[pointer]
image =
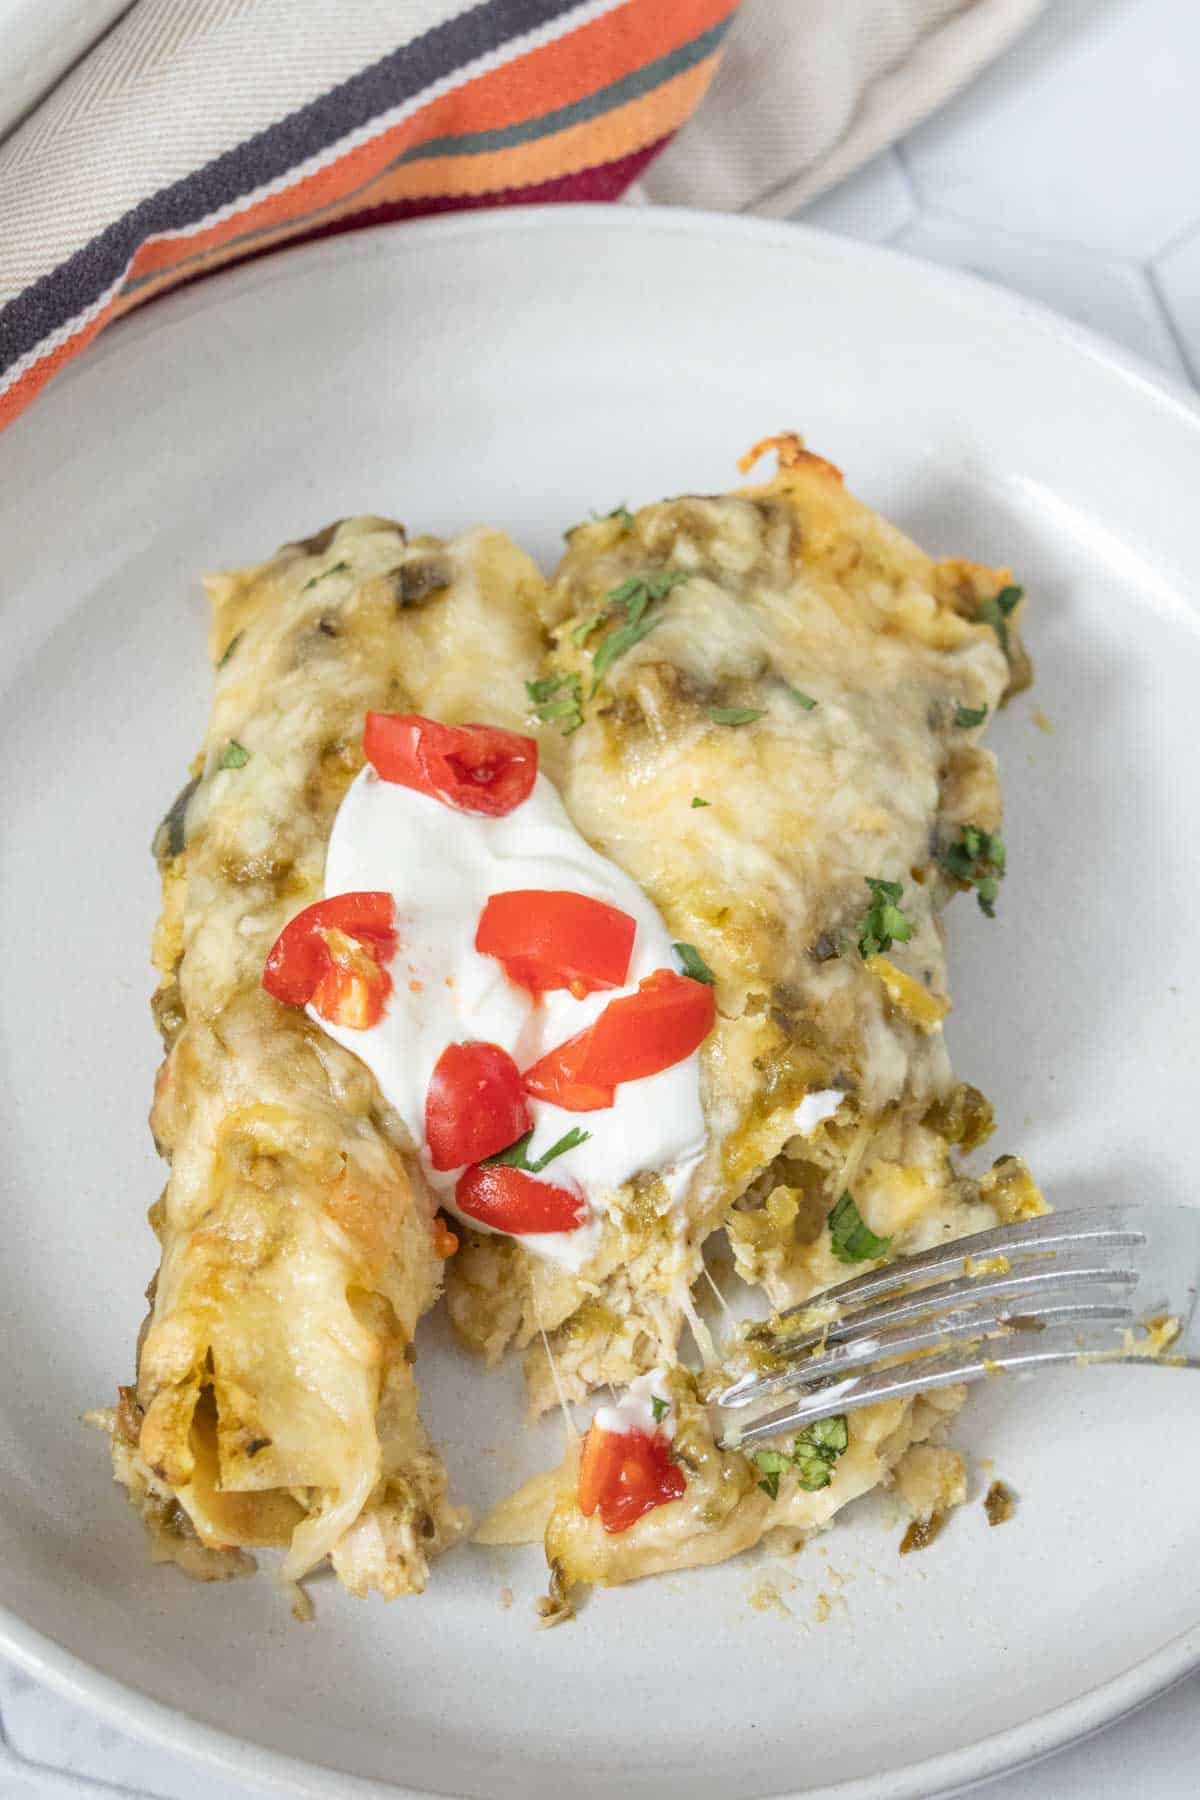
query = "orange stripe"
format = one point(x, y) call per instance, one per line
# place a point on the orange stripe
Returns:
point(564, 153)
point(552, 75)
point(583, 62)
point(16, 398)
point(587, 59)
point(578, 147)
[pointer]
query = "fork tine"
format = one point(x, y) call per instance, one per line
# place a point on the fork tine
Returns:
point(1067, 1344)
point(1103, 1227)
point(965, 1323)
point(1033, 1279)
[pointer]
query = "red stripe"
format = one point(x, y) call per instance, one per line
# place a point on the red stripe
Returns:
point(606, 181)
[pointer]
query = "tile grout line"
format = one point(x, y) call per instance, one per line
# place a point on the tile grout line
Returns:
point(1155, 287)
point(69, 1779)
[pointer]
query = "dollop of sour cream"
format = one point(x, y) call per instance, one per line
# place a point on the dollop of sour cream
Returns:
point(441, 865)
point(636, 1409)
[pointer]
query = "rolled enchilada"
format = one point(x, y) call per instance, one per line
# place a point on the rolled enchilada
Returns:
point(275, 1402)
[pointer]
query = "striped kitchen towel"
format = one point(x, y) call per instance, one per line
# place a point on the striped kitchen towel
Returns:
point(200, 131)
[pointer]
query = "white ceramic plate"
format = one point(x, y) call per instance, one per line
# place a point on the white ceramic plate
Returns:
point(522, 368)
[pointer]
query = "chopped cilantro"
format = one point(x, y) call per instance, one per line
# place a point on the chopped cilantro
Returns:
point(233, 756)
point(579, 634)
point(966, 716)
point(230, 647)
point(977, 859)
point(615, 645)
point(621, 512)
point(816, 1450)
point(693, 964)
point(813, 1454)
point(802, 699)
point(772, 1463)
point(659, 1407)
point(697, 801)
point(851, 1238)
point(883, 922)
point(557, 700)
point(515, 1158)
point(995, 612)
point(735, 715)
point(339, 568)
point(633, 596)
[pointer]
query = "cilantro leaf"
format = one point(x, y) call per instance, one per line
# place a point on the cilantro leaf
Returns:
point(339, 568)
point(813, 1454)
point(830, 1435)
point(633, 596)
point(802, 699)
point(735, 715)
point(883, 923)
point(817, 1449)
point(977, 858)
point(693, 964)
point(515, 1158)
point(697, 801)
point(622, 513)
point(995, 612)
point(659, 1407)
point(850, 1237)
point(616, 644)
point(772, 1463)
point(814, 1470)
point(659, 586)
point(966, 716)
point(579, 634)
point(557, 700)
point(233, 756)
point(230, 647)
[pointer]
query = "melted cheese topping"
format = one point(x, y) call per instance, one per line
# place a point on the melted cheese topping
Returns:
point(441, 866)
point(275, 1400)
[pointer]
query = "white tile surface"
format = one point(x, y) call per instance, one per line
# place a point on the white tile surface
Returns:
point(874, 204)
point(1109, 294)
point(1177, 278)
point(1082, 134)
point(1070, 172)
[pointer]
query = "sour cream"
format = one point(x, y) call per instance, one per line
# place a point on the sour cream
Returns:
point(441, 866)
point(635, 1410)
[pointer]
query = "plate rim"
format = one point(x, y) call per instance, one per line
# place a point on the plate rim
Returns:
point(71, 1676)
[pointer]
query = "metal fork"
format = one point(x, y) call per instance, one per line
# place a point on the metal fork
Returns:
point(1069, 1287)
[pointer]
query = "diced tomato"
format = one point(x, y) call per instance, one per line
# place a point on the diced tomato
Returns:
point(475, 1105)
point(473, 768)
point(510, 1200)
point(332, 954)
point(638, 1035)
point(353, 988)
point(626, 1474)
point(556, 1078)
point(547, 939)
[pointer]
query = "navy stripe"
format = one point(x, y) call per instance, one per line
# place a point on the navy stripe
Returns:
point(633, 86)
point(51, 303)
point(618, 93)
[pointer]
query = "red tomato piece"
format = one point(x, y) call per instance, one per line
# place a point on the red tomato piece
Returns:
point(626, 1474)
point(555, 1078)
point(638, 1035)
point(353, 989)
point(551, 939)
point(473, 768)
point(510, 1200)
point(301, 957)
point(475, 1105)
